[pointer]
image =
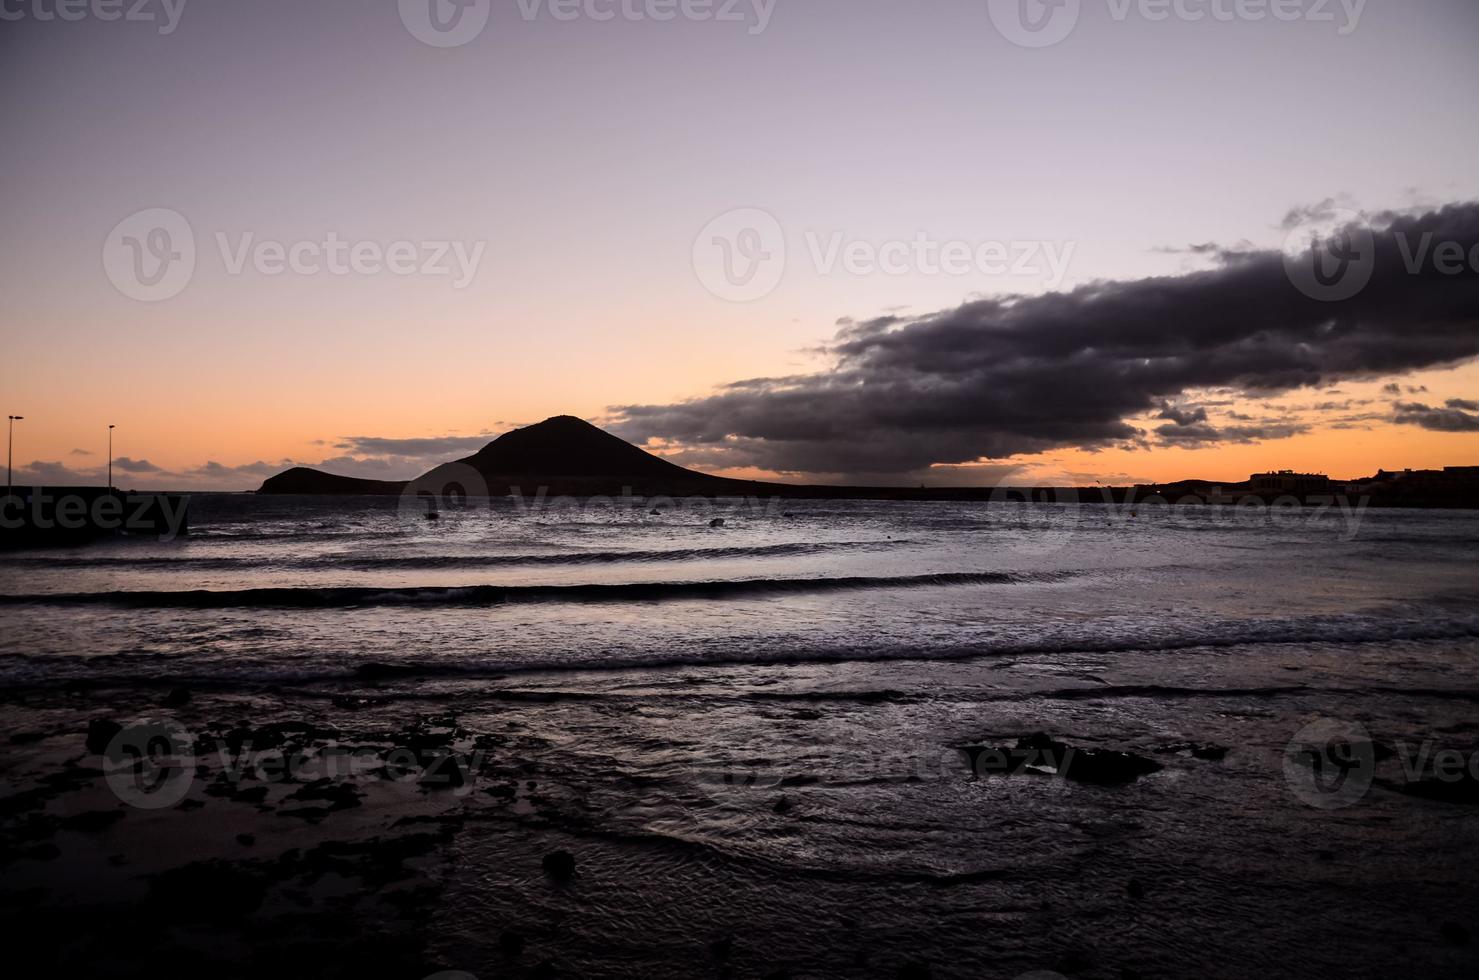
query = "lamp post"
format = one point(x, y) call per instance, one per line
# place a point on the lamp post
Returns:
point(110, 458)
point(9, 452)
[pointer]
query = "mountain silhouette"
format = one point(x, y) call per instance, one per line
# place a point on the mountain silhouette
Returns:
point(564, 455)
point(570, 456)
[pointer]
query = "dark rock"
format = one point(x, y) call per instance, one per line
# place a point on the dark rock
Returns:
point(444, 771)
point(206, 890)
point(93, 821)
point(1136, 889)
point(782, 806)
point(1074, 961)
point(379, 671)
point(1454, 934)
point(46, 851)
point(722, 948)
point(1040, 754)
point(253, 795)
point(1463, 791)
point(717, 522)
point(559, 865)
point(100, 732)
point(177, 698)
point(511, 942)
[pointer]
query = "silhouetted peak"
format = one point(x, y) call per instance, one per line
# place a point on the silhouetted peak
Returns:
point(571, 447)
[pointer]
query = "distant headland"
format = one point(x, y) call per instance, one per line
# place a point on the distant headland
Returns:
point(569, 456)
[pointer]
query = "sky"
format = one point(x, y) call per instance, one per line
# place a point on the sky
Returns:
point(890, 241)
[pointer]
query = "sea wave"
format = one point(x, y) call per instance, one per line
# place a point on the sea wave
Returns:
point(454, 562)
point(486, 595)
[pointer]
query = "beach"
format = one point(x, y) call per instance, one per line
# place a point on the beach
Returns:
point(820, 739)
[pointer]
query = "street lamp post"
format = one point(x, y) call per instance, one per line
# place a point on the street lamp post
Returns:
point(9, 452)
point(110, 458)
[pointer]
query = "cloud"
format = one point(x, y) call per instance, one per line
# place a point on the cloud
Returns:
point(1463, 403)
point(440, 449)
point(43, 473)
point(1003, 377)
point(215, 470)
point(82, 452)
point(1183, 416)
point(1454, 418)
point(129, 465)
point(1204, 434)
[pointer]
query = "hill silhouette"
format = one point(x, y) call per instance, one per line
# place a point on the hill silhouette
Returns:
point(570, 456)
point(564, 454)
point(306, 480)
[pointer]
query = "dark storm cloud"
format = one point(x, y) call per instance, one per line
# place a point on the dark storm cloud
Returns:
point(1020, 375)
point(1463, 403)
point(1183, 416)
point(1451, 419)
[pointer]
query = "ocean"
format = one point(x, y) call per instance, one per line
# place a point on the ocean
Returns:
point(749, 721)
